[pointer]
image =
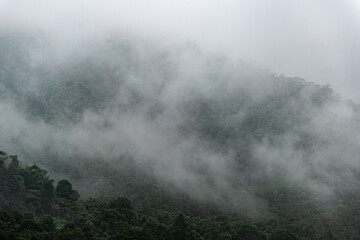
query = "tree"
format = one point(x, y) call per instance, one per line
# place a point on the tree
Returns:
point(46, 223)
point(63, 189)
point(179, 228)
point(14, 162)
point(47, 194)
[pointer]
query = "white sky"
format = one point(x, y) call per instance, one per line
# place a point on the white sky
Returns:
point(318, 40)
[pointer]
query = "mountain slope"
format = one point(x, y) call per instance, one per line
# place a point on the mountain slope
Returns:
point(135, 119)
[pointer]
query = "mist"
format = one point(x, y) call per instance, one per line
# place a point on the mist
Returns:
point(317, 41)
point(174, 87)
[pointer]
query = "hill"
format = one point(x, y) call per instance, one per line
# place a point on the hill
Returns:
point(178, 129)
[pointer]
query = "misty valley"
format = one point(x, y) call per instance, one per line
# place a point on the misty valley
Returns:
point(125, 138)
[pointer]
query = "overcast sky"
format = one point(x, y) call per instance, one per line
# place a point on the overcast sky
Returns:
point(317, 40)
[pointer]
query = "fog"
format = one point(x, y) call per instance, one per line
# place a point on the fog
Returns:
point(315, 40)
point(158, 68)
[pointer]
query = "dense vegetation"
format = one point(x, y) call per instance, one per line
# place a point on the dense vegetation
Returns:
point(33, 208)
point(237, 153)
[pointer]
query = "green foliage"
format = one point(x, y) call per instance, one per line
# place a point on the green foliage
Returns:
point(47, 223)
point(283, 234)
point(248, 232)
point(14, 164)
point(294, 217)
point(69, 232)
point(133, 233)
point(64, 189)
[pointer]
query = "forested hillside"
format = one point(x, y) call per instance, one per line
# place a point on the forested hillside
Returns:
point(170, 143)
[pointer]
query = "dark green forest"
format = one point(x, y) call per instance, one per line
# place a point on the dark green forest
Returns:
point(33, 207)
point(170, 144)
